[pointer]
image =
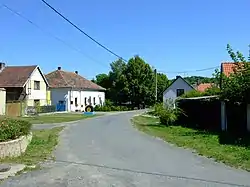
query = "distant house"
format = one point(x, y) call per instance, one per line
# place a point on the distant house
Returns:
point(227, 68)
point(72, 92)
point(24, 83)
point(203, 87)
point(178, 87)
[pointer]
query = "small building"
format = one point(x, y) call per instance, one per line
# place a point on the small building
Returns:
point(72, 92)
point(177, 88)
point(24, 83)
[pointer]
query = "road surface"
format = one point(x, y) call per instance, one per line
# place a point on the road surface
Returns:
point(108, 152)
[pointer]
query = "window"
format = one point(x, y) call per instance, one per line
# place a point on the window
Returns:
point(94, 100)
point(179, 92)
point(36, 85)
point(71, 102)
point(76, 102)
point(85, 101)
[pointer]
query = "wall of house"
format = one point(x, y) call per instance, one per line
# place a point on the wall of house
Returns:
point(69, 97)
point(40, 94)
point(2, 101)
point(81, 96)
point(171, 92)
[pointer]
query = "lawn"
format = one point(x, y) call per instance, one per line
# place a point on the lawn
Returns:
point(40, 148)
point(56, 118)
point(202, 142)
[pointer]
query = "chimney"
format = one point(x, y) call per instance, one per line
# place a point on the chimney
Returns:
point(178, 76)
point(76, 72)
point(59, 68)
point(2, 66)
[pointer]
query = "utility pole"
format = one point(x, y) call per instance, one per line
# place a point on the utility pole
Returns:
point(155, 86)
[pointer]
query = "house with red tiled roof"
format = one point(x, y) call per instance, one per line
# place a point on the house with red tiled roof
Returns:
point(227, 68)
point(72, 91)
point(203, 87)
point(24, 83)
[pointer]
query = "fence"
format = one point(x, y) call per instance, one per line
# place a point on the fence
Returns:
point(15, 108)
point(201, 113)
point(33, 110)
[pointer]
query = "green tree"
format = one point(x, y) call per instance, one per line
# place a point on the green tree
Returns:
point(236, 87)
point(140, 79)
point(119, 85)
point(162, 84)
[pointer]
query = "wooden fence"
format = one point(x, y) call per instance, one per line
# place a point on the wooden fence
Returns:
point(15, 108)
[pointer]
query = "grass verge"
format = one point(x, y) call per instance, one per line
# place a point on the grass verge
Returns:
point(202, 142)
point(57, 118)
point(40, 148)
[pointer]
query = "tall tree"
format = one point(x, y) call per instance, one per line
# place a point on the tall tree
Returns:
point(119, 88)
point(162, 84)
point(140, 79)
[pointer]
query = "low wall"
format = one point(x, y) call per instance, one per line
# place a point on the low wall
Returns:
point(14, 148)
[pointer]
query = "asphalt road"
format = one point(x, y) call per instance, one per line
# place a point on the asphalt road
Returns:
point(108, 152)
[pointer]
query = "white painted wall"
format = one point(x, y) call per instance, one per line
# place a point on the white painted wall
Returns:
point(36, 94)
point(171, 92)
point(2, 101)
point(68, 95)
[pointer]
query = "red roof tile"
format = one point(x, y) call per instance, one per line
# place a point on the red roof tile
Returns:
point(227, 68)
point(15, 76)
point(202, 87)
point(63, 79)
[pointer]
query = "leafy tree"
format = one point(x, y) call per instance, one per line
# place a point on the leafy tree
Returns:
point(162, 84)
point(236, 87)
point(104, 81)
point(119, 85)
point(140, 79)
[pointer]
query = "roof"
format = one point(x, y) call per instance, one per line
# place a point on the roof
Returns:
point(15, 76)
point(64, 79)
point(200, 98)
point(178, 77)
point(227, 68)
point(203, 86)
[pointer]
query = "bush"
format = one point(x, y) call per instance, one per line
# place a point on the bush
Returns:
point(11, 129)
point(167, 112)
point(108, 108)
point(208, 92)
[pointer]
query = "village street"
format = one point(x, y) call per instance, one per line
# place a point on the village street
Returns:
point(109, 151)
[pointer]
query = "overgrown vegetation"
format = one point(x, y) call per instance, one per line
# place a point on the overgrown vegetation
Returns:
point(168, 113)
point(109, 106)
point(236, 87)
point(40, 148)
point(205, 143)
point(208, 92)
point(11, 129)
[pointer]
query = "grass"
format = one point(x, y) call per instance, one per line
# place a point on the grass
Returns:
point(40, 148)
point(202, 142)
point(56, 118)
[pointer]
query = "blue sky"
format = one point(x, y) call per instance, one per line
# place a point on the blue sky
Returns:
point(173, 36)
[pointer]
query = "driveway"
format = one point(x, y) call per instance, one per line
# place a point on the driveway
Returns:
point(108, 152)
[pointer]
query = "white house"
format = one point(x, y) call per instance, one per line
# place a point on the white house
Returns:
point(72, 91)
point(178, 87)
point(24, 83)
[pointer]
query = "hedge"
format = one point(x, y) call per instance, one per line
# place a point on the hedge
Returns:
point(11, 129)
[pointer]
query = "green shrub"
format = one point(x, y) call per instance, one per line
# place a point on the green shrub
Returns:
point(168, 113)
point(108, 108)
point(11, 129)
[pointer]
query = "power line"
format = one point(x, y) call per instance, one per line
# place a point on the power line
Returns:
point(79, 29)
point(50, 34)
point(189, 71)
